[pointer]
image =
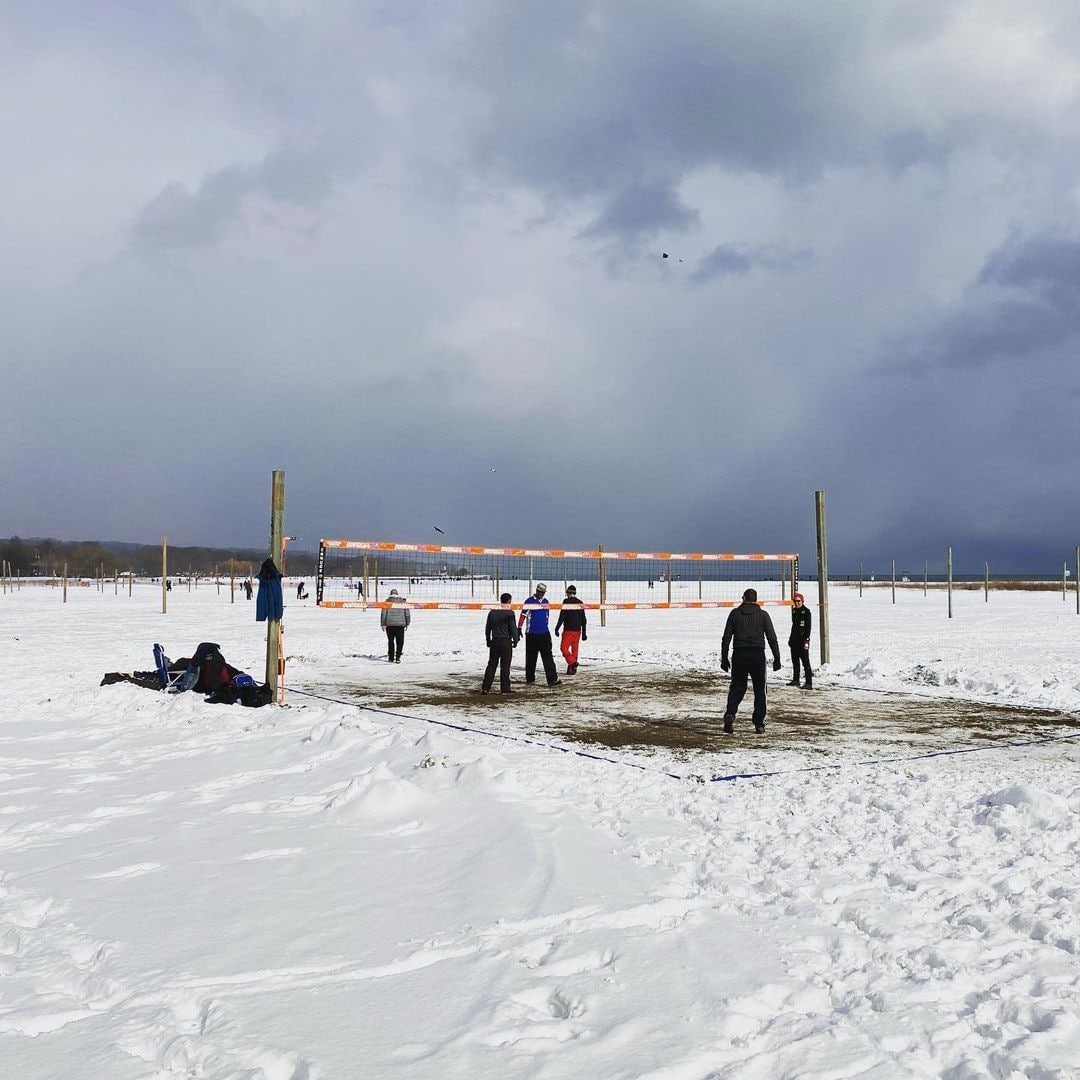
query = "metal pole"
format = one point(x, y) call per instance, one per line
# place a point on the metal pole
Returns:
point(986, 582)
point(894, 581)
point(860, 578)
point(603, 585)
point(1064, 576)
point(277, 518)
point(1078, 581)
point(669, 576)
point(925, 574)
point(823, 576)
point(948, 573)
point(164, 571)
point(65, 583)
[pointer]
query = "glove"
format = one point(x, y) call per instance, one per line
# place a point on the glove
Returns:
point(776, 665)
point(725, 664)
point(584, 637)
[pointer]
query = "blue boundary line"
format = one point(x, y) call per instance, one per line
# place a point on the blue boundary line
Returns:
point(489, 734)
point(1013, 743)
point(894, 760)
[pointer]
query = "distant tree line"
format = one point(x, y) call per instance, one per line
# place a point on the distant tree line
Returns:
point(88, 558)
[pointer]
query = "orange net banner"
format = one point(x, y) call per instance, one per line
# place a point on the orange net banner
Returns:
point(448, 577)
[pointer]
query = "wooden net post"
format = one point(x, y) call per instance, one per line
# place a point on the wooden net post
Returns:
point(277, 518)
point(603, 586)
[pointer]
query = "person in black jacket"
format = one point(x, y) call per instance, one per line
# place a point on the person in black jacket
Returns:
point(748, 626)
point(501, 635)
point(799, 642)
point(572, 624)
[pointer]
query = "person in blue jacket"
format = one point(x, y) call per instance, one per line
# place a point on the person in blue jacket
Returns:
point(534, 618)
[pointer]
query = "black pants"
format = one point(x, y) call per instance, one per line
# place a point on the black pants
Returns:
point(395, 639)
point(500, 653)
point(540, 645)
point(801, 655)
point(747, 663)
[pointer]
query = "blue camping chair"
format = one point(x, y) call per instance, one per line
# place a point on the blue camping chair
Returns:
point(172, 681)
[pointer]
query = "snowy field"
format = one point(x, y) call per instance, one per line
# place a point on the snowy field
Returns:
point(354, 888)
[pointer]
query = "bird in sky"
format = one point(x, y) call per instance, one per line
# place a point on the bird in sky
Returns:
point(438, 530)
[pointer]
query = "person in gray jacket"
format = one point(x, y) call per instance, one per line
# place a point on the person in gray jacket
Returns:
point(748, 626)
point(394, 620)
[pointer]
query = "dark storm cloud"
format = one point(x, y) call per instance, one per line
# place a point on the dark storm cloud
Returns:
point(179, 217)
point(728, 260)
point(1024, 304)
point(642, 210)
point(632, 89)
point(423, 204)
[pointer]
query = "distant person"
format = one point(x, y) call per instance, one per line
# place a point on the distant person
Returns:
point(799, 642)
point(534, 618)
point(571, 622)
point(502, 636)
point(248, 588)
point(168, 586)
point(395, 620)
point(301, 592)
point(359, 590)
point(748, 626)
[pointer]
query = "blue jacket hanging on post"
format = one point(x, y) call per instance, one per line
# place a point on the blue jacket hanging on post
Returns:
point(269, 604)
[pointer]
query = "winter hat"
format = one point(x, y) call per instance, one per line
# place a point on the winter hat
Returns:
point(799, 597)
point(571, 588)
point(541, 588)
point(751, 595)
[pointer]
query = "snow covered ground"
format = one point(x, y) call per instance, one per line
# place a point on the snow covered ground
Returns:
point(329, 891)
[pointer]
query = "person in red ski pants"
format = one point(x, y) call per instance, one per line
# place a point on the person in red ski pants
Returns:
point(572, 624)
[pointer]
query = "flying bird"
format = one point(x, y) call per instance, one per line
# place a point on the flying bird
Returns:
point(438, 530)
point(493, 469)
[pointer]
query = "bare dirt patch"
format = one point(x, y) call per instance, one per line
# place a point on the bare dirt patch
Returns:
point(678, 713)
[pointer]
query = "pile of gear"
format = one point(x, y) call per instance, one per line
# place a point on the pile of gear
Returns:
point(205, 672)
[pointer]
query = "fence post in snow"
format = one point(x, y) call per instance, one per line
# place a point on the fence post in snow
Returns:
point(823, 575)
point(925, 574)
point(860, 578)
point(164, 571)
point(948, 574)
point(1078, 581)
point(894, 581)
point(986, 582)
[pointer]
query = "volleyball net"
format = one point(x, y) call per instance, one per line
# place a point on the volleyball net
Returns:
point(361, 573)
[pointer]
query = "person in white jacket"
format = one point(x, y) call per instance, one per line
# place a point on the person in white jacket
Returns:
point(395, 620)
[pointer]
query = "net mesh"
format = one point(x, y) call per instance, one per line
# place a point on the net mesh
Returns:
point(359, 573)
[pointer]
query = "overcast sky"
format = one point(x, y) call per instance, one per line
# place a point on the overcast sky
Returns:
point(392, 247)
